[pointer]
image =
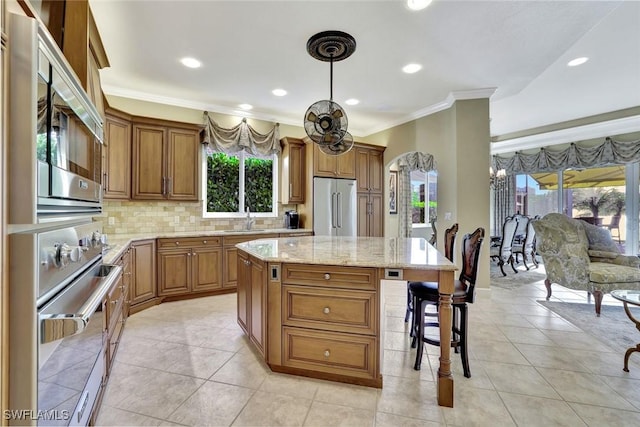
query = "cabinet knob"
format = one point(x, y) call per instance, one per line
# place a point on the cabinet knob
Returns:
point(327, 276)
point(327, 353)
point(326, 310)
point(204, 242)
point(177, 243)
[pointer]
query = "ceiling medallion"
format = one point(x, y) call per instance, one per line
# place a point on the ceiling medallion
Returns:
point(325, 121)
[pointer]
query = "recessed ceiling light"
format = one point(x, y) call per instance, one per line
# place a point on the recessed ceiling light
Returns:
point(191, 62)
point(418, 4)
point(279, 92)
point(412, 68)
point(577, 61)
point(245, 106)
point(352, 101)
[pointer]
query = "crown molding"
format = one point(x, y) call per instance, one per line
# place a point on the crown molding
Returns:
point(563, 136)
point(177, 102)
point(458, 95)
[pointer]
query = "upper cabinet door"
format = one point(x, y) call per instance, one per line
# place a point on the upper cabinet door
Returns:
point(293, 171)
point(149, 179)
point(116, 180)
point(183, 165)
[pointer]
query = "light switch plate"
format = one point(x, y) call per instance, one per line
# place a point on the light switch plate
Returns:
point(447, 216)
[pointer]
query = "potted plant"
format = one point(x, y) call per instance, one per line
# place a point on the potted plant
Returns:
point(593, 200)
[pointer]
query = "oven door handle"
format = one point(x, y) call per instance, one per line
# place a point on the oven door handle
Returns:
point(57, 325)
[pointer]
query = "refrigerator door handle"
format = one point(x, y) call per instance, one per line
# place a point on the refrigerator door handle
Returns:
point(333, 210)
point(339, 209)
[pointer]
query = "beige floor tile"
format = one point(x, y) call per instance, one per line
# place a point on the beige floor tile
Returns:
point(519, 379)
point(580, 387)
point(526, 335)
point(347, 395)
point(111, 417)
point(325, 414)
point(269, 409)
point(391, 420)
point(410, 398)
point(477, 407)
point(497, 351)
point(576, 341)
point(212, 404)
point(552, 357)
point(552, 323)
point(626, 387)
point(158, 396)
point(597, 416)
point(238, 371)
point(479, 378)
point(401, 363)
point(538, 411)
point(290, 385)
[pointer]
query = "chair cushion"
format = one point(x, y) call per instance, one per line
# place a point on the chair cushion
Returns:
point(603, 254)
point(600, 239)
point(602, 272)
point(429, 290)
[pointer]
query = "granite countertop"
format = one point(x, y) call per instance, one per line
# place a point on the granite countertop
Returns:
point(380, 252)
point(118, 242)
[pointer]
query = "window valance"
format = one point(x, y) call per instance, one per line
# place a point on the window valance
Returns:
point(239, 138)
point(575, 156)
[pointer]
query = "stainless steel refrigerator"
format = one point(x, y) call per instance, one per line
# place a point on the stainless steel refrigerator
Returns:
point(335, 207)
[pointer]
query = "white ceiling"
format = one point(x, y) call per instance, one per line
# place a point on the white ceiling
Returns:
point(467, 49)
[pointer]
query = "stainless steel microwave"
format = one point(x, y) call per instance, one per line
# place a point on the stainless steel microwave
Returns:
point(55, 132)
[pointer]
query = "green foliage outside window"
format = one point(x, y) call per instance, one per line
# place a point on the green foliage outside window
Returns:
point(223, 184)
point(258, 184)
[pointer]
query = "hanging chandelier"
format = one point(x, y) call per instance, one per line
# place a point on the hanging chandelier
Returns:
point(325, 121)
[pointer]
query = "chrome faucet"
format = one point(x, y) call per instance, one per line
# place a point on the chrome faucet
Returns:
point(250, 221)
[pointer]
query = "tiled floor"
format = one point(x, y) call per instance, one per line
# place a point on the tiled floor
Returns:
point(188, 363)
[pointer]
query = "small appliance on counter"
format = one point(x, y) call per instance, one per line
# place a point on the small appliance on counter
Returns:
point(291, 219)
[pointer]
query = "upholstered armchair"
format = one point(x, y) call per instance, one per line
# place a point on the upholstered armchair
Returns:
point(578, 255)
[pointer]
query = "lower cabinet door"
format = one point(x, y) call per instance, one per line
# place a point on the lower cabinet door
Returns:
point(330, 352)
point(174, 274)
point(207, 272)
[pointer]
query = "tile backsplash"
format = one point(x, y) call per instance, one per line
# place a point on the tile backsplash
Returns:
point(129, 217)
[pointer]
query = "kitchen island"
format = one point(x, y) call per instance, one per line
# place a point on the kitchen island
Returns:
point(312, 306)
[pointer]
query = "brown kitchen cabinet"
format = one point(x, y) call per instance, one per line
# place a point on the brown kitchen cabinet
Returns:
point(116, 178)
point(252, 299)
point(370, 214)
point(342, 166)
point(369, 178)
point(230, 257)
point(143, 275)
point(114, 314)
point(189, 265)
point(293, 171)
point(83, 49)
point(166, 161)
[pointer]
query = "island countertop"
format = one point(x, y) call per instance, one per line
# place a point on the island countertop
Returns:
point(398, 252)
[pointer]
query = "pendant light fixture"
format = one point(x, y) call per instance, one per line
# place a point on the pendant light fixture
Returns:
point(325, 122)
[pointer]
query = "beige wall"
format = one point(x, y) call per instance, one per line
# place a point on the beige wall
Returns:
point(458, 138)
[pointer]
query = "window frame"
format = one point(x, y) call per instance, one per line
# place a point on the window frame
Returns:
point(428, 182)
point(241, 156)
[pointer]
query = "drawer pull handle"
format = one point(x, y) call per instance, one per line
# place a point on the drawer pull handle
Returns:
point(327, 276)
point(327, 354)
point(326, 310)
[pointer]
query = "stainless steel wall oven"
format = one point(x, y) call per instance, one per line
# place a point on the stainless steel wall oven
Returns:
point(55, 132)
point(57, 279)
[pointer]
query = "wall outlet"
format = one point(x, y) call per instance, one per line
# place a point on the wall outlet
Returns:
point(112, 220)
point(447, 216)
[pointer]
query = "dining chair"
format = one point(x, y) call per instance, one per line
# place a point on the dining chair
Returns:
point(527, 248)
point(614, 225)
point(449, 243)
point(504, 252)
point(463, 294)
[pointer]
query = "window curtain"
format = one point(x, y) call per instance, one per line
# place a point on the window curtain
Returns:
point(239, 138)
point(575, 156)
point(407, 163)
point(503, 202)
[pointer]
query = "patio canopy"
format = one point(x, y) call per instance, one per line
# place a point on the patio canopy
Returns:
point(610, 176)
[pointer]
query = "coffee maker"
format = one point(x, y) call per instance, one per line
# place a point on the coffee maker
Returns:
point(291, 219)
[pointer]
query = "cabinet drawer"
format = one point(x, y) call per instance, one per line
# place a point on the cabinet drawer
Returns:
point(114, 335)
point(330, 276)
point(234, 240)
point(334, 353)
point(190, 242)
point(330, 309)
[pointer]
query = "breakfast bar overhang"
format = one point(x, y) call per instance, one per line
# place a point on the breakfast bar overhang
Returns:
point(312, 305)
